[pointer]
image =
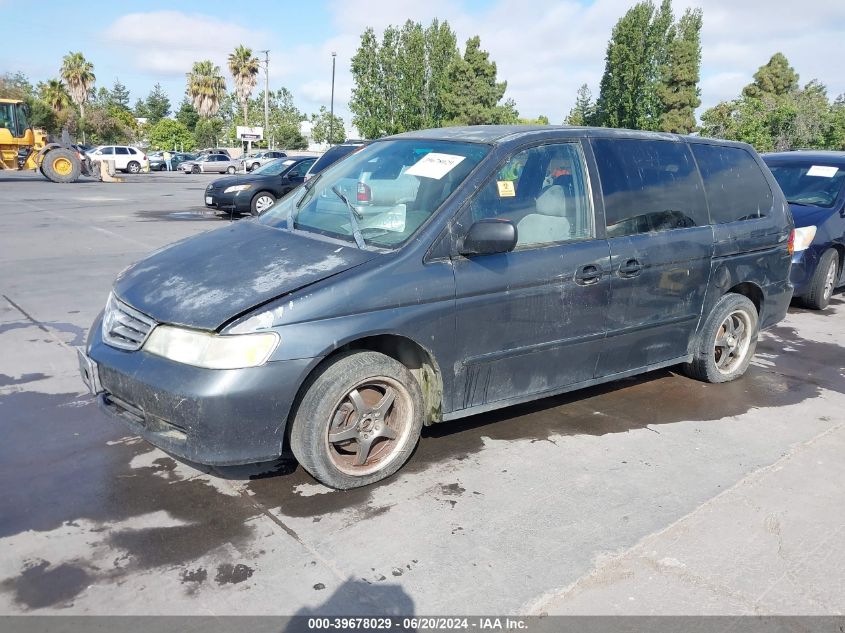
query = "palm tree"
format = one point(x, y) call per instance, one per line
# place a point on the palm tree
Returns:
point(244, 68)
point(206, 87)
point(55, 94)
point(78, 75)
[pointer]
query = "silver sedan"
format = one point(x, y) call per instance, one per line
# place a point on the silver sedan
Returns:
point(212, 163)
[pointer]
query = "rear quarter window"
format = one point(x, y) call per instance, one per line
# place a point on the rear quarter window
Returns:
point(648, 186)
point(734, 184)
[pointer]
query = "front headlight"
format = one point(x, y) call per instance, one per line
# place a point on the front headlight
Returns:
point(804, 237)
point(211, 351)
point(236, 188)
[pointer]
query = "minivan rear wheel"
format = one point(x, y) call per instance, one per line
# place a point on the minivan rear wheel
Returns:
point(824, 281)
point(358, 421)
point(726, 342)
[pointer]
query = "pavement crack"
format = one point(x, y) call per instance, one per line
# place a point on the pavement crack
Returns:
point(40, 325)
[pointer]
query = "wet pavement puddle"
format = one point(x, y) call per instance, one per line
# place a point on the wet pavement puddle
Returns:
point(67, 467)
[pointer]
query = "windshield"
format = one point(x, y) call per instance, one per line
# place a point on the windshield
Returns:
point(391, 187)
point(809, 184)
point(274, 167)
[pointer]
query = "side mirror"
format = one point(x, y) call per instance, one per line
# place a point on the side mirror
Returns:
point(487, 237)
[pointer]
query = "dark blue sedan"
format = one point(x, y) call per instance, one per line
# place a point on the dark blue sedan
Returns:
point(814, 185)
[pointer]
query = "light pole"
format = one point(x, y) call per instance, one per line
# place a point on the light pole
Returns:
point(331, 111)
point(266, 93)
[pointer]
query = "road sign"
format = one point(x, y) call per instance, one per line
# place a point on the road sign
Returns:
point(250, 133)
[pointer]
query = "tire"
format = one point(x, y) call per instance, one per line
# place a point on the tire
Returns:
point(61, 165)
point(824, 281)
point(195, 169)
point(722, 362)
point(261, 201)
point(255, 166)
point(134, 167)
point(230, 170)
point(380, 423)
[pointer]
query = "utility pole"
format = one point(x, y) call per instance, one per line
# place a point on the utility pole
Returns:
point(331, 111)
point(266, 93)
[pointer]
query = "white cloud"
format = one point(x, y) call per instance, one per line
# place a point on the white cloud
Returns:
point(168, 42)
point(545, 50)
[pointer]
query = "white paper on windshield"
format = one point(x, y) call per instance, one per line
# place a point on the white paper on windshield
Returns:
point(434, 165)
point(823, 171)
point(288, 162)
point(391, 220)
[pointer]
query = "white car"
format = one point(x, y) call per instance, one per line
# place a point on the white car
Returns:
point(130, 159)
point(257, 159)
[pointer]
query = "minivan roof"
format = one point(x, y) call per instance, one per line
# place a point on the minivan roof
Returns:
point(500, 134)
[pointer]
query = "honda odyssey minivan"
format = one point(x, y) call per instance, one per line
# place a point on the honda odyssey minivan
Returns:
point(438, 274)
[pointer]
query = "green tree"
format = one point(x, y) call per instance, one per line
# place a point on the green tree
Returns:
point(157, 105)
point(119, 95)
point(140, 109)
point(441, 48)
point(401, 81)
point(636, 53)
point(244, 67)
point(172, 135)
point(775, 113)
point(775, 78)
point(584, 110)
point(474, 96)
point(208, 132)
point(78, 75)
point(15, 86)
point(54, 94)
point(187, 114)
point(206, 88)
point(322, 126)
point(834, 134)
point(678, 91)
point(366, 103)
point(411, 78)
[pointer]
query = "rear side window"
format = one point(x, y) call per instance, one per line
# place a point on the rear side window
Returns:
point(648, 186)
point(122, 150)
point(735, 186)
point(132, 150)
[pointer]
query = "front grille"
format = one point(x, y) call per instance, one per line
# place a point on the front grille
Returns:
point(125, 327)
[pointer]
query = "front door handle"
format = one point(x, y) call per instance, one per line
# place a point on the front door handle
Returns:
point(631, 268)
point(588, 275)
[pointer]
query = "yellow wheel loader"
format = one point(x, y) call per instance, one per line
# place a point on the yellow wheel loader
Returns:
point(22, 147)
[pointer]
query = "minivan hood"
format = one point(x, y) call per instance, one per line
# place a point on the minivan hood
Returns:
point(206, 280)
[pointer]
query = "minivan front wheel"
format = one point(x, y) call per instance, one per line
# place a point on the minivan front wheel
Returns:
point(358, 421)
point(727, 341)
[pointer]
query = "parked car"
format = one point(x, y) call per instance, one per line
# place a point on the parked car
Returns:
point(814, 185)
point(257, 159)
point(332, 155)
point(257, 191)
point(478, 267)
point(157, 162)
point(129, 159)
point(210, 164)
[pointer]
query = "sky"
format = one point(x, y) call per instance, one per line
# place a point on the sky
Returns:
point(544, 50)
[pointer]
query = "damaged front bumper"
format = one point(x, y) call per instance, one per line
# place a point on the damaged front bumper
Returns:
point(207, 416)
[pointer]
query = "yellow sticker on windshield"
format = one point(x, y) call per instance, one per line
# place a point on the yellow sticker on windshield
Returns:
point(506, 188)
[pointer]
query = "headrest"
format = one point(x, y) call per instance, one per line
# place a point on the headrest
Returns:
point(552, 202)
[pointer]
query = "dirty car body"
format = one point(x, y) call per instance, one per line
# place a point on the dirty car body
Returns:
point(381, 257)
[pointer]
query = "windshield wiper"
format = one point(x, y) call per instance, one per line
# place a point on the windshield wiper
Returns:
point(800, 204)
point(354, 214)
